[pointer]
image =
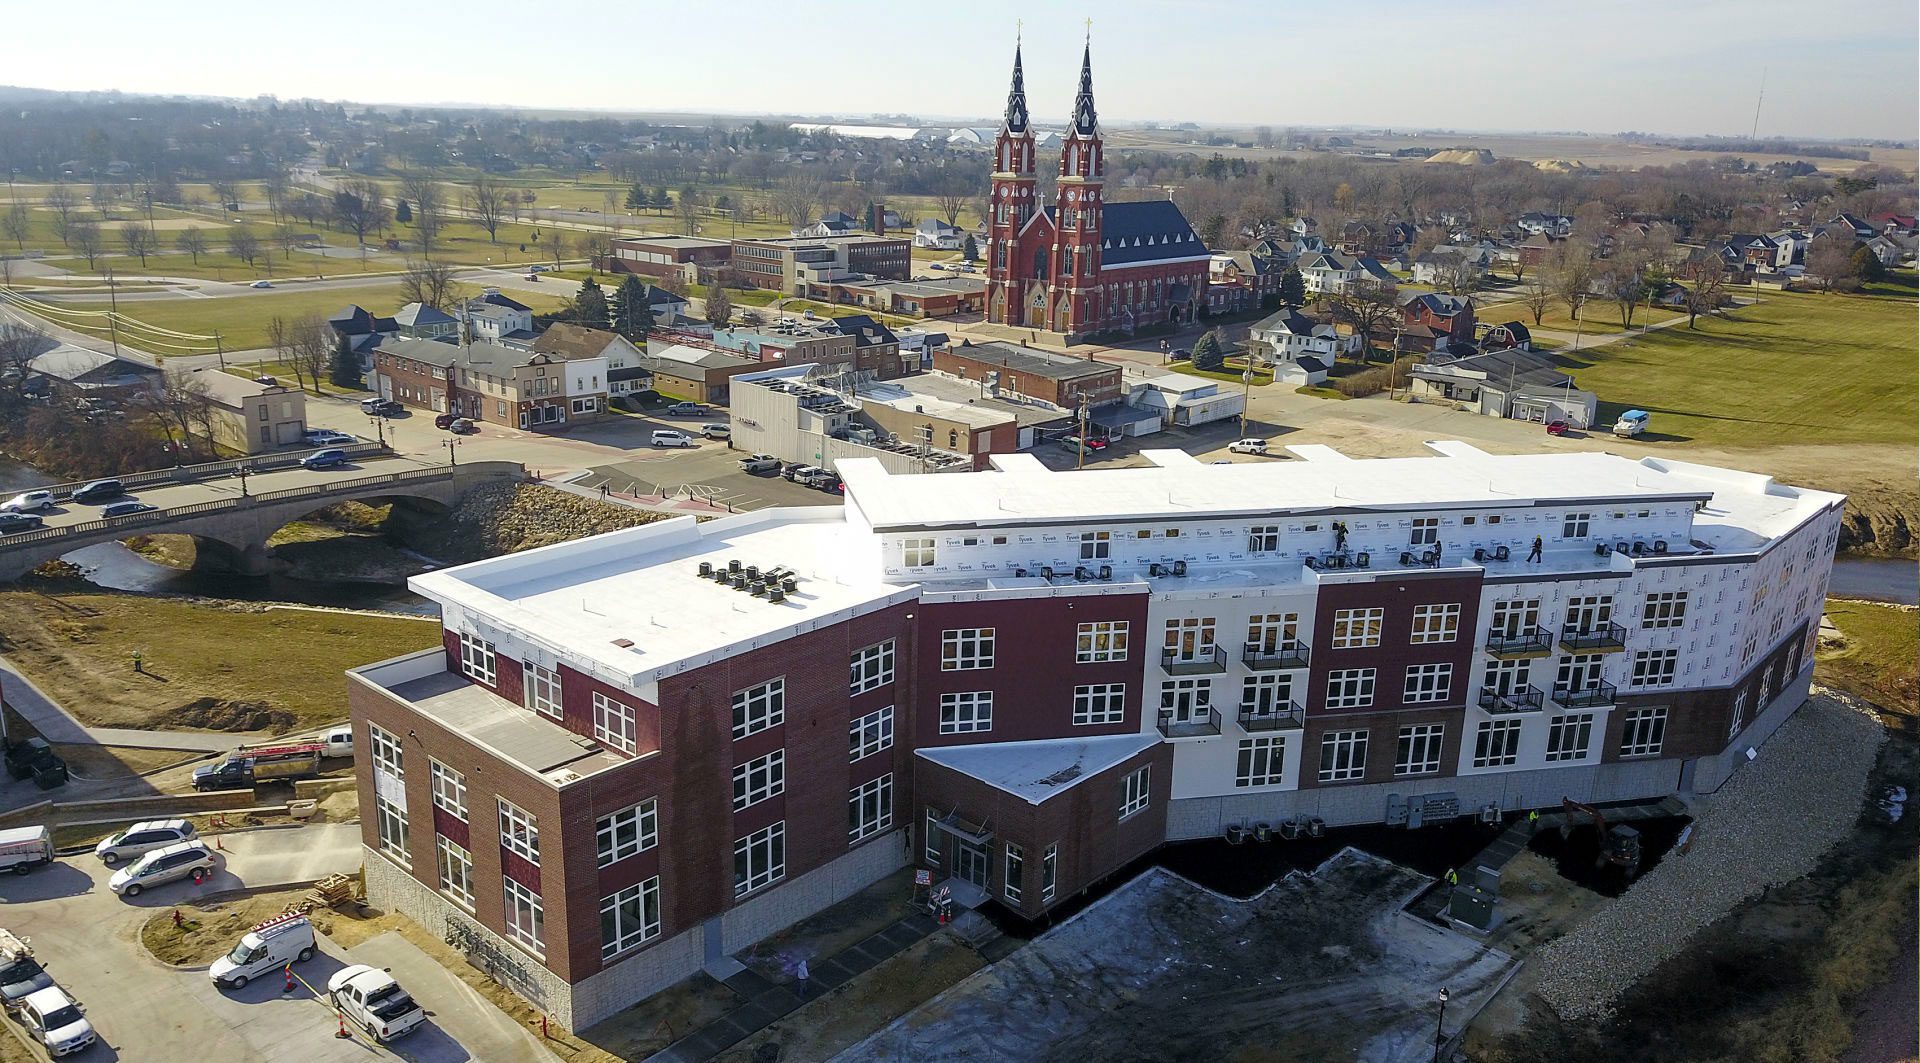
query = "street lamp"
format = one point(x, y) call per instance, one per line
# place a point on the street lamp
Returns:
point(450, 444)
point(1439, 1035)
point(379, 430)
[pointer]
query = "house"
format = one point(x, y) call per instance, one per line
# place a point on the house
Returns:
point(1304, 226)
point(1327, 272)
point(836, 224)
point(361, 331)
point(1556, 226)
point(1897, 224)
point(1447, 266)
point(699, 374)
point(493, 383)
point(1239, 281)
point(1513, 383)
point(626, 363)
point(249, 417)
point(1299, 348)
point(76, 372)
point(876, 349)
point(936, 235)
point(1535, 250)
point(1449, 316)
point(501, 319)
point(1509, 335)
point(418, 321)
point(1862, 229)
point(1756, 253)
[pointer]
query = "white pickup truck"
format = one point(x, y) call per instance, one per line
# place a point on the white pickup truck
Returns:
point(372, 999)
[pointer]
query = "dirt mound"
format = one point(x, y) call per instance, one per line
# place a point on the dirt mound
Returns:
point(1881, 522)
point(503, 517)
point(1559, 165)
point(1463, 157)
point(219, 714)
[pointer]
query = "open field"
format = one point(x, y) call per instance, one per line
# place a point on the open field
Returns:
point(1875, 657)
point(203, 662)
point(1597, 318)
point(1800, 367)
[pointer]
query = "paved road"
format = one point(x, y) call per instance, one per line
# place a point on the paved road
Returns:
point(463, 1018)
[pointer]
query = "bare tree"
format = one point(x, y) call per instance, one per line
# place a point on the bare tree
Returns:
point(277, 186)
point(226, 193)
point(244, 243)
point(952, 199)
point(1706, 280)
point(609, 202)
point(354, 205)
point(310, 345)
point(183, 411)
point(192, 241)
point(17, 222)
point(84, 236)
point(1538, 298)
point(428, 282)
point(1366, 305)
point(286, 239)
point(19, 344)
point(1571, 275)
point(280, 341)
point(554, 243)
point(689, 216)
point(1456, 275)
point(719, 306)
point(595, 247)
point(1830, 258)
point(61, 200)
point(490, 201)
point(796, 197)
point(420, 189)
point(140, 240)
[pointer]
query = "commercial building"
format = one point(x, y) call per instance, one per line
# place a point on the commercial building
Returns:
point(810, 266)
point(250, 417)
point(626, 761)
point(691, 257)
point(1026, 372)
point(488, 382)
point(819, 415)
point(695, 373)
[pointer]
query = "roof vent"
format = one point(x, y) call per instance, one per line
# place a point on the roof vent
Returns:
point(733, 566)
point(706, 570)
point(625, 644)
point(789, 584)
point(758, 588)
point(1179, 568)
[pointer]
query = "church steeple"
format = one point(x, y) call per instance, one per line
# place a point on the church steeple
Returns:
point(1016, 117)
point(1085, 122)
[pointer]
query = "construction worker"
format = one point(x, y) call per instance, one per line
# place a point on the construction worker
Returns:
point(136, 661)
point(1453, 878)
point(1533, 820)
point(1535, 556)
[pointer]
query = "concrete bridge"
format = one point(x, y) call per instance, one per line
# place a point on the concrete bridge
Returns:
point(219, 505)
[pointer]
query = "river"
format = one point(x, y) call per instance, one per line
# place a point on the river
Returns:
point(1880, 579)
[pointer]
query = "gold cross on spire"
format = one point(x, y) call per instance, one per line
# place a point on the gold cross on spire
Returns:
point(1018, 25)
point(1089, 28)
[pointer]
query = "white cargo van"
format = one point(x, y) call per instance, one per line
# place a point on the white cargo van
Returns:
point(24, 848)
point(266, 949)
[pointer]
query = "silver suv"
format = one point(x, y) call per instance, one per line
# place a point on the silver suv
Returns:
point(161, 866)
point(143, 838)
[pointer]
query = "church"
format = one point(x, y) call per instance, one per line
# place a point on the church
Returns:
point(1081, 264)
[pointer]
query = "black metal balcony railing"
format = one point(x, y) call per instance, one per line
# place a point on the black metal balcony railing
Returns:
point(1598, 694)
point(1534, 643)
point(1599, 637)
point(1190, 726)
point(1273, 658)
point(1526, 699)
point(1205, 660)
point(1287, 716)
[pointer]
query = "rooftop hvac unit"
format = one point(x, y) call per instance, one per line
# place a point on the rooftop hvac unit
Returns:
point(706, 570)
point(789, 584)
point(1179, 568)
point(1156, 569)
point(1046, 571)
point(1080, 572)
point(775, 594)
point(1106, 572)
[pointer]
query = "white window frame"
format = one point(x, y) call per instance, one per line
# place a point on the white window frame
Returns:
point(1101, 641)
point(1096, 545)
point(541, 690)
point(1260, 761)
point(870, 734)
point(1014, 869)
point(1514, 617)
point(1569, 737)
point(645, 896)
point(1350, 688)
point(1200, 630)
point(759, 707)
point(613, 722)
point(1576, 526)
point(1263, 693)
point(929, 845)
point(966, 649)
point(917, 552)
point(872, 667)
point(1644, 731)
point(1343, 756)
point(390, 824)
point(388, 756)
point(1355, 629)
point(1095, 704)
point(1580, 671)
point(1050, 872)
point(766, 847)
point(519, 831)
point(477, 660)
point(1263, 538)
point(1135, 790)
point(1426, 532)
point(869, 808)
point(456, 870)
point(759, 779)
point(449, 789)
point(1738, 721)
point(1271, 632)
point(966, 712)
point(1496, 744)
point(1664, 609)
point(524, 916)
point(1417, 749)
point(1427, 684)
point(1655, 668)
point(1438, 622)
point(628, 832)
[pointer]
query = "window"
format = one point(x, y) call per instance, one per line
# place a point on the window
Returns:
point(1664, 609)
point(1580, 671)
point(918, 553)
point(1271, 632)
point(1576, 526)
point(870, 734)
point(1350, 688)
point(1190, 638)
point(613, 722)
point(1095, 545)
point(1418, 751)
point(1426, 531)
point(1343, 755)
point(966, 712)
point(1016, 872)
point(1133, 791)
point(1655, 667)
point(391, 821)
point(386, 752)
point(476, 659)
point(456, 871)
point(621, 834)
point(759, 858)
point(1645, 731)
point(1515, 617)
point(519, 831)
point(872, 668)
point(1568, 736)
point(1102, 640)
point(932, 840)
point(1427, 683)
point(1436, 623)
point(629, 918)
point(1590, 613)
point(1356, 628)
point(1739, 719)
point(1187, 699)
point(967, 648)
point(1263, 538)
point(1099, 703)
point(1496, 744)
point(449, 790)
point(870, 808)
point(541, 687)
point(1507, 677)
point(1049, 871)
point(526, 919)
point(757, 708)
point(1262, 693)
point(759, 779)
point(587, 405)
point(1262, 760)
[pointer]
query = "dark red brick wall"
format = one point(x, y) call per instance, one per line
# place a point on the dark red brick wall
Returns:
point(1397, 594)
point(1383, 740)
point(1064, 393)
point(1697, 720)
point(418, 379)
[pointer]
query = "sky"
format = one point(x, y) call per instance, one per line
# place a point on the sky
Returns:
point(1840, 68)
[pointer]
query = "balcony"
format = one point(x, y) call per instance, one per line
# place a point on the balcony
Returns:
point(1535, 643)
point(1204, 727)
point(1599, 694)
point(1526, 699)
point(1602, 638)
point(1207, 660)
point(1275, 658)
point(1287, 717)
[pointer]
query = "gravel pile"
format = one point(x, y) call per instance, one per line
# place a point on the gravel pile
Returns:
point(504, 517)
point(1769, 824)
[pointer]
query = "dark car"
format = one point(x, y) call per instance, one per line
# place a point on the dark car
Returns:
point(463, 426)
point(443, 421)
point(324, 459)
point(127, 509)
point(19, 522)
point(1179, 354)
point(99, 490)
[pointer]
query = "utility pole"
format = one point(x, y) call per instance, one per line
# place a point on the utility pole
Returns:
point(219, 349)
point(1080, 452)
point(1246, 385)
point(1755, 135)
point(113, 313)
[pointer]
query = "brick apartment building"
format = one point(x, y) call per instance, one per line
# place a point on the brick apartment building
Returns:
point(619, 768)
point(485, 381)
point(812, 266)
point(1032, 373)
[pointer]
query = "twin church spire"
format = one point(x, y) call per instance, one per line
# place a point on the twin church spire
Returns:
point(1086, 121)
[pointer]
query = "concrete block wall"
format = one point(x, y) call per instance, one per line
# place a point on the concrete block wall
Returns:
point(751, 920)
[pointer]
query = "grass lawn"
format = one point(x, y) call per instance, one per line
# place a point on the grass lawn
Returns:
point(1598, 319)
point(77, 646)
point(1806, 368)
point(1877, 661)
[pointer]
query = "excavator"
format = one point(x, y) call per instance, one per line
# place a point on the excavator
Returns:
point(1619, 846)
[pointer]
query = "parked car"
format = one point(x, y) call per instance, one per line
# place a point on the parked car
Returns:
point(444, 420)
point(373, 1000)
point(19, 522)
point(142, 838)
point(463, 426)
point(20, 973)
point(127, 508)
point(1092, 442)
point(539, 269)
point(52, 1018)
point(1556, 428)
point(24, 848)
point(99, 491)
point(186, 860)
point(717, 431)
point(28, 501)
point(381, 407)
point(685, 409)
point(266, 949)
point(1248, 446)
point(326, 437)
point(667, 437)
point(823, 480)
point(1180, 354)
point(797, 472)
point(758, 463)
point(261, 284)
point(337, 742)
point(1631, 423)
point(324, 459)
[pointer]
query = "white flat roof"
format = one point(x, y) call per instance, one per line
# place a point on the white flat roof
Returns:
point(1035, 771)
point(641, 586)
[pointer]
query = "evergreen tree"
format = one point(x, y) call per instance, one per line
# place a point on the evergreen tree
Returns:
point(1867, 265)
point(637, 198)
point(662, 202)
point(631, 314)
point(971, 249)
point(402, 213)
point(1293, 288)
point(1207, 353)
point(345, 368)
point(589, 305)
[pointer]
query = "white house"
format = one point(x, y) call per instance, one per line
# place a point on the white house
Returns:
point(937, 235)
point(1299, 348)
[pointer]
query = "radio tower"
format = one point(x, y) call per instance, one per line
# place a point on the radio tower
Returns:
point(1755, 135)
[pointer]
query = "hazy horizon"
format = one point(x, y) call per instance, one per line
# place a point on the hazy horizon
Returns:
point(1632, 65)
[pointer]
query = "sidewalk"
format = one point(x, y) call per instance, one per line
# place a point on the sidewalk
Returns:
point(56, 725)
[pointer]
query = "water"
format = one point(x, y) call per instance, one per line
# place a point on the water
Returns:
point(113, 566)
point(1876, 579)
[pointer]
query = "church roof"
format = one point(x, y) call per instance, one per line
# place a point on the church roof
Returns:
point(1085, 122)
point(1149, 231)
point(1016, 116)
